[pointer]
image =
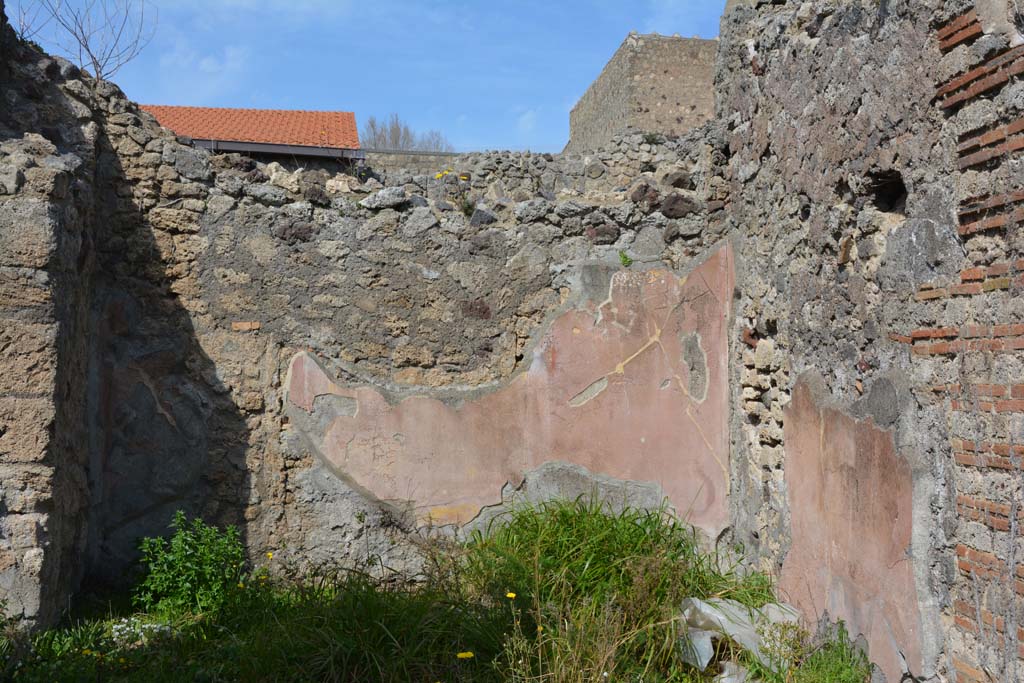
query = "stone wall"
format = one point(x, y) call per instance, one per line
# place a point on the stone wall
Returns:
point(798, 322)
point(866, 273)
point(428, 163)
point(840, 187)
point(628, 152)
point(202, 276)
point(965, 339)
point(653, 83)
point(603, 387)
point(46, 256)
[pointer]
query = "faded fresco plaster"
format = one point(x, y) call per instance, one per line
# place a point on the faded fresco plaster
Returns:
point(633, 388)
point(851, 499)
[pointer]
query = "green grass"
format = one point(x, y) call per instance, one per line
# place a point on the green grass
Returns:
point(346, 627)
point(625, 574)
point(837, 661)
point(562, 593)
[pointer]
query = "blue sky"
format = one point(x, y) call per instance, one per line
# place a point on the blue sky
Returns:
point(488, 74)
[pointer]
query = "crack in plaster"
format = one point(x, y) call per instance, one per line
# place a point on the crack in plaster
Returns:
point(147, 381)
point(590, 393)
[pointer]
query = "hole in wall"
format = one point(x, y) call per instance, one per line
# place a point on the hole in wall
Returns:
point(843, 191)
point(804, 210)
point(888, 192)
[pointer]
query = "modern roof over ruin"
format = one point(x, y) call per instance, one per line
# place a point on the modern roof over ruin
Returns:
point(290, 129)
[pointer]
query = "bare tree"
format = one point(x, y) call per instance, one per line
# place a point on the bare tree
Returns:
point(434, 141)
point(396, 134)
point(101, 35)
point(29, 19)
point(390, 134)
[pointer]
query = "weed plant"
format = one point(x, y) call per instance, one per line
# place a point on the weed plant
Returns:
point(198, 569)
point(600, 593)
point(561, 593)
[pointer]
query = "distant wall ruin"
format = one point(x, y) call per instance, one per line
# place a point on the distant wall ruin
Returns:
point(653, 83)
point(413, 162)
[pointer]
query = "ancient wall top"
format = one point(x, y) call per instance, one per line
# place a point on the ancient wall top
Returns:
point(653, 83)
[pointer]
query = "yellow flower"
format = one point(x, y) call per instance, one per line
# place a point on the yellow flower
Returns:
point(241, 585)
point(539, 628)
point(510, 595)
point(270, 556)
point(86, 651)
point(465, 655)
point(439, 176)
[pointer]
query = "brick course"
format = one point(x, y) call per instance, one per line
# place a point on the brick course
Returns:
point(980, 404)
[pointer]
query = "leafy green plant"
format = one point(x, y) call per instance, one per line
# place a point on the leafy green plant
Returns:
point(625, 260)
point(198, 569)
point(794, 657)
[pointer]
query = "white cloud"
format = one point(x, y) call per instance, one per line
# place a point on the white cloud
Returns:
point(191, 76)
point(527, 121)
point(266, 6)
point(233, 60)
point(209, 14)
point(181, 52)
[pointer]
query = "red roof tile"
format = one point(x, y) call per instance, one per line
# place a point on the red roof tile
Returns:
point(335, 129)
